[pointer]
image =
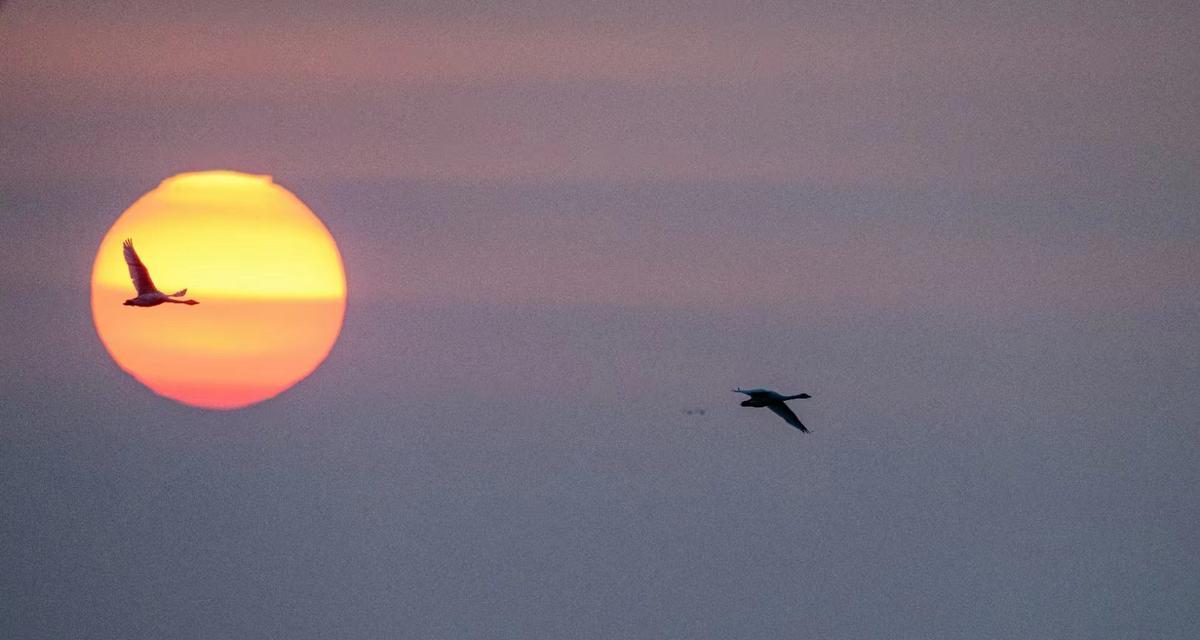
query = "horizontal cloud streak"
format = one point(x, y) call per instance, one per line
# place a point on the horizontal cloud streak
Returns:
point(894, 99)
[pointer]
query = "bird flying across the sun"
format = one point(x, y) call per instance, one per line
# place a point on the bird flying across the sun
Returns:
point(775, 402)
point(147, 294)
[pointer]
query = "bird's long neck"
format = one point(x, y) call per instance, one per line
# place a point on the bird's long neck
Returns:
point(181, 301)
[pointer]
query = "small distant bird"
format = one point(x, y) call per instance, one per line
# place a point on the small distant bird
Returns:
point(147, 294)
point(693, 412)
point(775, 402)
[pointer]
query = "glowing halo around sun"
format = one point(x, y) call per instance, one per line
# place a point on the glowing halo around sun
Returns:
point(265, 270)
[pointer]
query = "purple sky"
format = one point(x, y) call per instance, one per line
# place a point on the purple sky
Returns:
point(969, 230)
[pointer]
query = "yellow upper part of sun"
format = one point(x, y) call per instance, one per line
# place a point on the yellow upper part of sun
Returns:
point(225, 233)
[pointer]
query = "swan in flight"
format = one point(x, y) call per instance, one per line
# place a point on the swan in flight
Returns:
point(147, 294)
point(775, 402)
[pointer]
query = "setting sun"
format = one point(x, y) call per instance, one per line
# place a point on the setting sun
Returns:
point(266, 273)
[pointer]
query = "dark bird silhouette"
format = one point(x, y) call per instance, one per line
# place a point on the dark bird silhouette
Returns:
point(776, 403)
point(147, 294)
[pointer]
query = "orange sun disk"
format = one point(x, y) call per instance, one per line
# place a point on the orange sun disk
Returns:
point(267, 274)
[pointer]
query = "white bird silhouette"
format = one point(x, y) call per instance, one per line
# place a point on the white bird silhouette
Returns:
point(147, 294)
point(775, 402)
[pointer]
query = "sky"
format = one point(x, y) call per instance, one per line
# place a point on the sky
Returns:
point(969, 230)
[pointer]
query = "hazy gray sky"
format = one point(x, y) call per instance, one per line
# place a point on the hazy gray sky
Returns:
point(969, 231)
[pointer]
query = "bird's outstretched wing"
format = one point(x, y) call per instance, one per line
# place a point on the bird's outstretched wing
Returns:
point(785, 412)
point(137, 270)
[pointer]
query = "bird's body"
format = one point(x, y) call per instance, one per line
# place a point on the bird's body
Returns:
point(776, 402)
point(155, 298)
point(148, 295)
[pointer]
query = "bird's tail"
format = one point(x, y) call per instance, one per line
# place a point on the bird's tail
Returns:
point(179, 294)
